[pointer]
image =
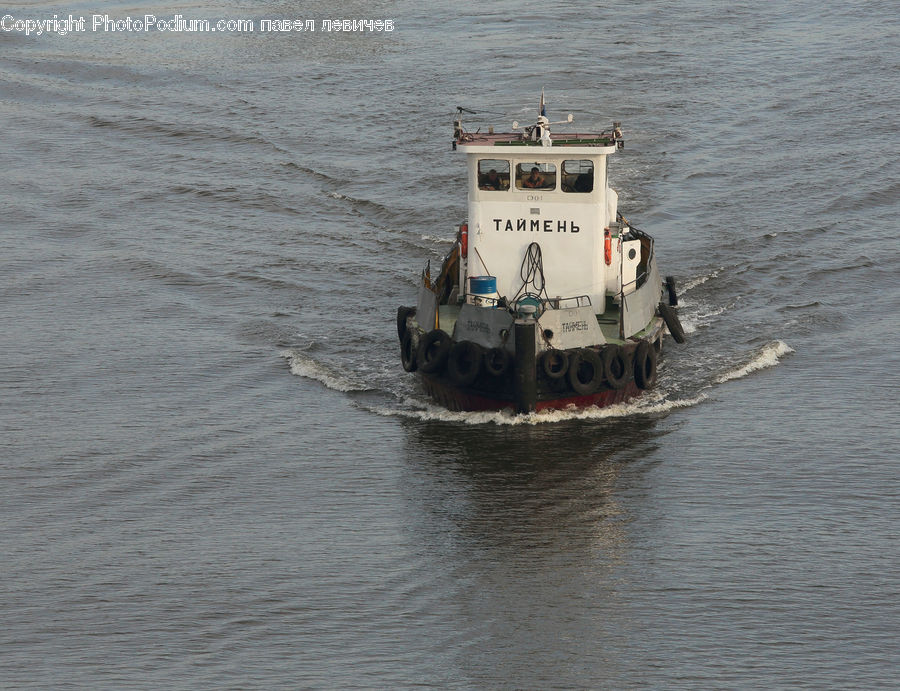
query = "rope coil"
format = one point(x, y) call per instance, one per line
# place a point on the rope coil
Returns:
point(532, 275)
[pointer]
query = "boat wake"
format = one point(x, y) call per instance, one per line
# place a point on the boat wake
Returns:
point(649, 404)
point(303, 365)
point(698, 312)
point(695, 281)
point(438, 240)
point(403, 405)
point(699, 317)
point(656, 402)
point(768, 356)
point(398, 402)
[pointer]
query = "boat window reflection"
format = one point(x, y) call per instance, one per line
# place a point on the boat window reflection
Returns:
point(577, 176)
point(493, 174)
point(536, 176)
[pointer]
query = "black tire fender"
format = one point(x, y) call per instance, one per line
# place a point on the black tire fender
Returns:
point(496, 361)
point(433, 351)
point(464, 362)
point(615, 366)
point(670, 317)
point(408, 355)
point(555, 363)
point(403, 313)
point(670, 287)
point(645, 365)
point(585, 371)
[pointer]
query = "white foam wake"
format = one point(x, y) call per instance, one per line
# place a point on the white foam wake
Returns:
point(701, 318)
point(690, 283)
point(767, 357)
point(650, 403)
point(304, 366)
point(446, 240)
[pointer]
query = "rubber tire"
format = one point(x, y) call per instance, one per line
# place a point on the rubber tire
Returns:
point(408, 354)
point(402, 314)
point(670, 317)
point(464, 362)
point(645, 365)
point(433, 351)
point(581, 359)
point(552, 357)
point(496, 361)
point(670, 287)
point(615, 366)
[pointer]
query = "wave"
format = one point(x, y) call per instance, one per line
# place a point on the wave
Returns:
point(202, 132)
point(652, 403)
point(769, 356)
point(228, 195)
point(886, 196)
point(446, 240)
point(695, 281)
point(304, 366)
point(152, 269)
point(691, 322)
point(360, 205)
point(657, 402)
point(312, 172)
point(789, 308)
point(860, 262)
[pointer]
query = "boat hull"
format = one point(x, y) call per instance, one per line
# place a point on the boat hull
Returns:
point(455, 398)
point(462, 377)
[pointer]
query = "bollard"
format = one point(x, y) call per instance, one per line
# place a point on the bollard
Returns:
point(525, 365)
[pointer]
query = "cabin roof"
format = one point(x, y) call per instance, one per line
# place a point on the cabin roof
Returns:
point(517, 139)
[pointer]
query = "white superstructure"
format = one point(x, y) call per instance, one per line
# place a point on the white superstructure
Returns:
point(553, 190)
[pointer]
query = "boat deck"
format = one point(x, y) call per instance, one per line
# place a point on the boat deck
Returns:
point(608, 321)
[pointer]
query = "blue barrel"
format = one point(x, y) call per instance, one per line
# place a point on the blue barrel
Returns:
point(483, 285)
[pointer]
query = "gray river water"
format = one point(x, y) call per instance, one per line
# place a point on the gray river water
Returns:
point(214, 472)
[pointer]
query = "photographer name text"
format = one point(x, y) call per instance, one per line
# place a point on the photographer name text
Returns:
point(103, 23)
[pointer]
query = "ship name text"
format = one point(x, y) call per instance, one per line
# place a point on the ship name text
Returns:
point(535, 225)
point(477, 327)
point(568, 327)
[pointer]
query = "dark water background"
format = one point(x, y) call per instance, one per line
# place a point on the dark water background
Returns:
point(213, 471)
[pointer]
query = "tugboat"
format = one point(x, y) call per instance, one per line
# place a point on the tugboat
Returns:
point(549, 297)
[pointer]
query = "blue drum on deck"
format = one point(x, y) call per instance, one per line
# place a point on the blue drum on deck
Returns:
point(483, 285)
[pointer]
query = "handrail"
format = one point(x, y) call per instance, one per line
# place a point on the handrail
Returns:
point(580, 301)
point(549, 303)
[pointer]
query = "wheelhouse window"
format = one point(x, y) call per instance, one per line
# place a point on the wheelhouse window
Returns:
point(577, 176)
point(493, 174)
point(536, 176)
